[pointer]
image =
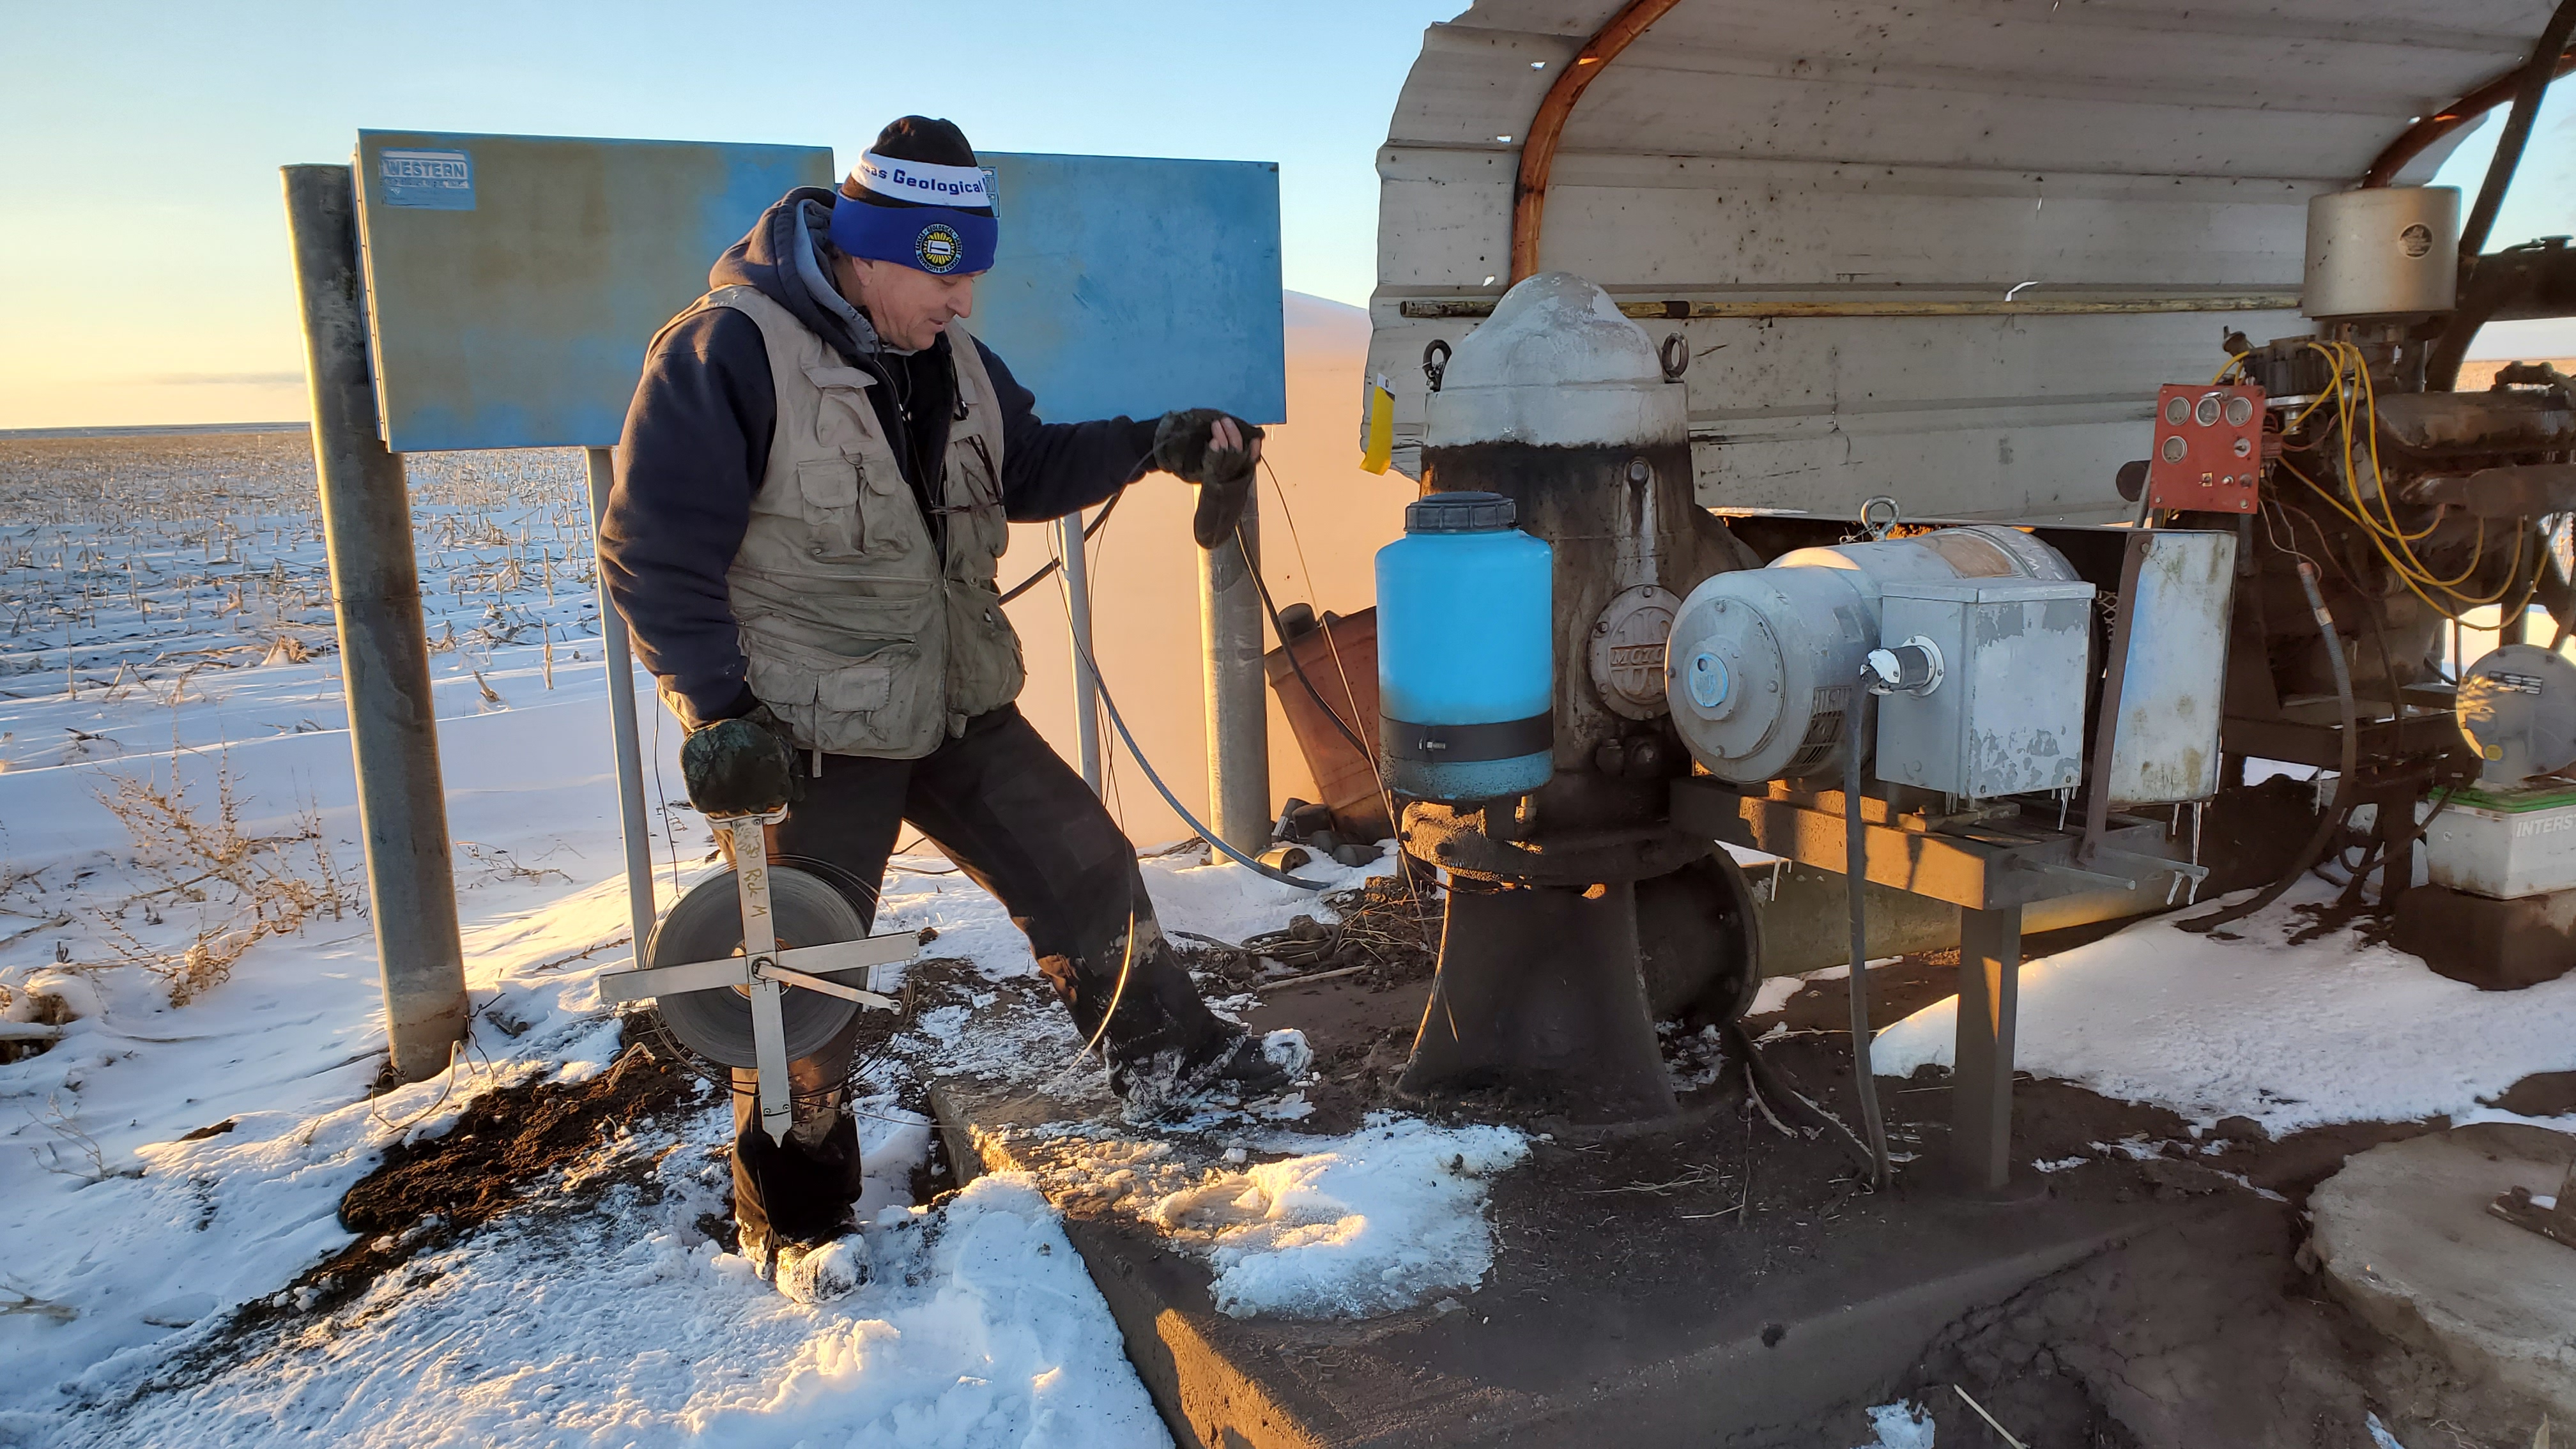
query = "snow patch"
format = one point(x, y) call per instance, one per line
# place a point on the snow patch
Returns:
point(1900, 1426)
point(1372, 1223)
point(2292, 1036)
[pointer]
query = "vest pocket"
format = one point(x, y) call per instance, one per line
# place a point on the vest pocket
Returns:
point(831, 494)
point(881, 703)
point(985, 666)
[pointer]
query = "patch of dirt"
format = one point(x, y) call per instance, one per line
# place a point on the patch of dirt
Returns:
point(2542, 1094)
point(1386, 934)
point(509, 1145)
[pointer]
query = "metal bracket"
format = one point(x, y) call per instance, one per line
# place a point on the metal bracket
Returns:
point(1879, 517)
point(2557, 1222)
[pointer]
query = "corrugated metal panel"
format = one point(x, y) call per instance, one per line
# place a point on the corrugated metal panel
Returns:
point(2052, 151)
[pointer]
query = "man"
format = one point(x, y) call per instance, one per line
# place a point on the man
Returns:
point(812, 493)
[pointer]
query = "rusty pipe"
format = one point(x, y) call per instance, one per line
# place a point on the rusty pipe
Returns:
point(2417, 138)
point(1538, 144)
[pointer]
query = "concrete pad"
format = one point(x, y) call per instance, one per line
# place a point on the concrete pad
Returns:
point(2405, 1237)
point(1753, 1347)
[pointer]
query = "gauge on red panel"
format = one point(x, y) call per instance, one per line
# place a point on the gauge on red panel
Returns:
point(2209, 448)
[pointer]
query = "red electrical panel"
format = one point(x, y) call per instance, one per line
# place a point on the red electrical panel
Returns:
point(2209, 448)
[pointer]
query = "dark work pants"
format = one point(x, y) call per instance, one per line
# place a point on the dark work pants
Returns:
point(1019, 822)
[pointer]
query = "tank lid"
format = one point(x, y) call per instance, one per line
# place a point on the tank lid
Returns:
point(1459, 513)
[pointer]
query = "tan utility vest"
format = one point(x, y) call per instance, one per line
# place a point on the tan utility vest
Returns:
point(859, 638)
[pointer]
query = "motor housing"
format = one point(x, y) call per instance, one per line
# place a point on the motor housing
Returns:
point(1763, 667)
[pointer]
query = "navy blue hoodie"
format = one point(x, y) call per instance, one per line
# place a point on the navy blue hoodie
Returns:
point(697, 442)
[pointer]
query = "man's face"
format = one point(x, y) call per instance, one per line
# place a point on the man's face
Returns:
point(909, 306)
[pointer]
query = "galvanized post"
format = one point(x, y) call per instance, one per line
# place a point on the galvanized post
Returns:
point(384, 651)
point(1982, 1079)
point(1238, 713)
point(1086, 685)
point(621, 726)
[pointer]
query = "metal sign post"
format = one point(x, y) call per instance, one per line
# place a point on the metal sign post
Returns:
point(621, 727)
point(384, 649)
point(1077, 612)
point(1238, 702)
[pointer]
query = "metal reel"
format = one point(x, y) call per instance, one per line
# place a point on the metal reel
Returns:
point(706, 925)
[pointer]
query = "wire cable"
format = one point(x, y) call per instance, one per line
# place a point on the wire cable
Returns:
point(1856, 875)
point(1109, 705)
point(1280, 627)
point(1119, 722)
point(1047, 569)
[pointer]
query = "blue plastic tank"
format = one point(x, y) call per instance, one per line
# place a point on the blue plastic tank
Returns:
point(1466, 664)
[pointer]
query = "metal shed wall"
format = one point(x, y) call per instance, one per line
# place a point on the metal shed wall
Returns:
point(2045, 167)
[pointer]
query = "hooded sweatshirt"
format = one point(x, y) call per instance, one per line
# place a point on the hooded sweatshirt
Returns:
point(697, 442)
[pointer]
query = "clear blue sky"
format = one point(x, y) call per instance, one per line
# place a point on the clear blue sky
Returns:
point(139, 144)
point(143, 239)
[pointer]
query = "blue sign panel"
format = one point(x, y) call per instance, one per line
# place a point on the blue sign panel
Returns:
point(1132, 285)
point(513, 281)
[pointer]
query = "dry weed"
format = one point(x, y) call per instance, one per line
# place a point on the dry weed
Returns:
point(248, 887)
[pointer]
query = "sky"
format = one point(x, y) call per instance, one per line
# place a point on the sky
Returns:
point(145, 241)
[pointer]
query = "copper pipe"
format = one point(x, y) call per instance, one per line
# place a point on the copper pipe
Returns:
point(1538, 147)
point(2415, 139)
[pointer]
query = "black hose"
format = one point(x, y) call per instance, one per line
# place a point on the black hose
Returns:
point(1775, 1086)
point(1856, 875)
point(1279, 627)
point(2337, 812)
point(1047, 570)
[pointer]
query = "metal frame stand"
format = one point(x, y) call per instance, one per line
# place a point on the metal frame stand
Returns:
point(1077, 608)
point(1982, 1078)
point(1990, 863)
point(620, 664)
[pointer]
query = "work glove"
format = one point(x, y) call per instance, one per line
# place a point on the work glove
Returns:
point(741, 766)
point(1186, 446)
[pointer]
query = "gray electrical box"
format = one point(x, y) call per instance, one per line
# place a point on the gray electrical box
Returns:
point(2006, 715)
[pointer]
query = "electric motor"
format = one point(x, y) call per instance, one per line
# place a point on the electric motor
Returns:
point(1763, 669)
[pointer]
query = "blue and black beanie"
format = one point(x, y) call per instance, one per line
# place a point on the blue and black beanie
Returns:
point(919, 198)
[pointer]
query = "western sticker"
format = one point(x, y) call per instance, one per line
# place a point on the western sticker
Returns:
point(435, 180)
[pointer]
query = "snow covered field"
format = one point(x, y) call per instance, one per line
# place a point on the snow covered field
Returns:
point(177, 819)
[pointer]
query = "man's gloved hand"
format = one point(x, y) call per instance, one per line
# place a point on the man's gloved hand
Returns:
point(1217, 452)
point(741, 766)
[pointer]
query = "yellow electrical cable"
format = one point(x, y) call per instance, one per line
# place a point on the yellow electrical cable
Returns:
point(2414, 580)
point(2359, 407)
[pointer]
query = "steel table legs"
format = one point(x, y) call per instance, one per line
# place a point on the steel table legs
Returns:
point(1981, 1093)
